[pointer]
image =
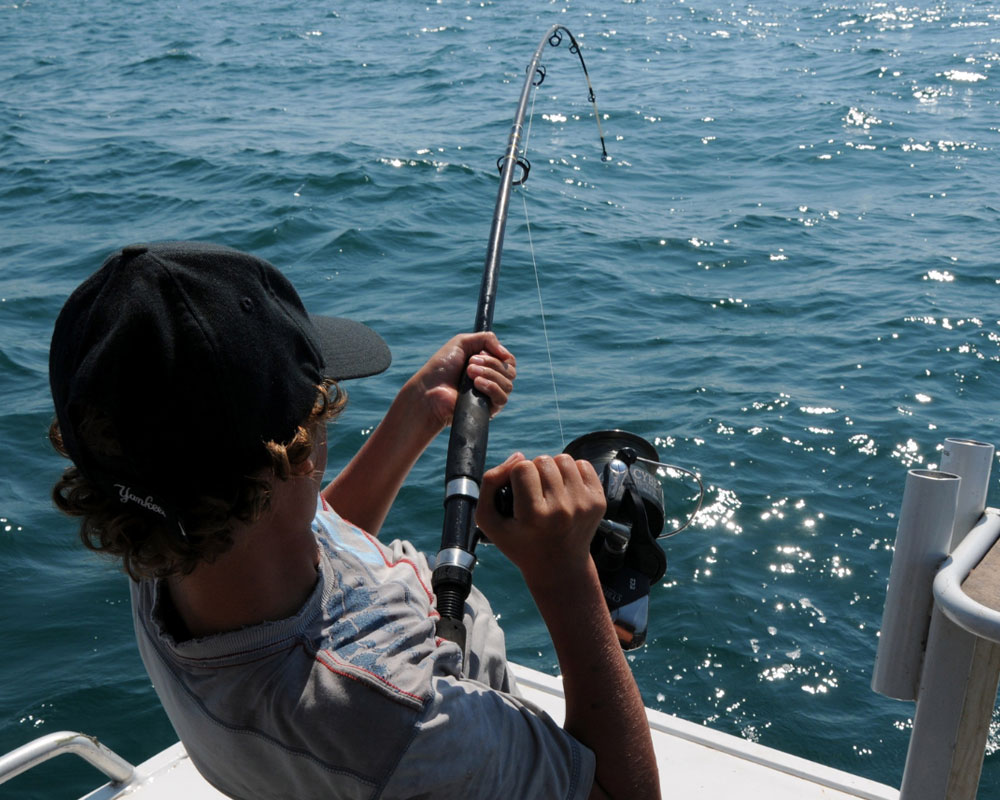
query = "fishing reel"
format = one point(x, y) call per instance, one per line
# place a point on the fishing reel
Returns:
point(624, 548)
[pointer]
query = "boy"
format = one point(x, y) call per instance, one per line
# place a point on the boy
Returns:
point(294, 653)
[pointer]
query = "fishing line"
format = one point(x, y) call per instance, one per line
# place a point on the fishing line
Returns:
point(548, 349)
point(554, 41)
point(541, 310)
point(534, 266)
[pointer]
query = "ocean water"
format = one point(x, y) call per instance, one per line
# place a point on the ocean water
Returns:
point(786, 277)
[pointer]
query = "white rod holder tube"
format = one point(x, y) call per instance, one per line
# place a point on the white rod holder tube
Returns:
point(922, 538)
point(971, 461)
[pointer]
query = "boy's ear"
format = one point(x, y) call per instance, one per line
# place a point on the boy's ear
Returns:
point(306, 467)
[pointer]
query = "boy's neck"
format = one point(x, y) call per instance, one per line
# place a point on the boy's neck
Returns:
point(266, 575)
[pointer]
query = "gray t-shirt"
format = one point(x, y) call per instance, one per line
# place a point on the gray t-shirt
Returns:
point(355, 696)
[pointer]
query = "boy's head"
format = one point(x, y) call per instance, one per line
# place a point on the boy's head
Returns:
point(172, 368)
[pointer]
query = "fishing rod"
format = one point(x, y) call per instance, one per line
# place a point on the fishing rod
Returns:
point(625, 549)
point(466, 462)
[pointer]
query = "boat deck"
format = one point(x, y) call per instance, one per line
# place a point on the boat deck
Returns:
point(694, 762)
point(698, 762)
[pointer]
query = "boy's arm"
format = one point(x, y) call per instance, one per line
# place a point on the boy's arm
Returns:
point(365, 489)
point(558, 504)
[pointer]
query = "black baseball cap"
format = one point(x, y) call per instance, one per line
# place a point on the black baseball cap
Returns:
point(196, 355)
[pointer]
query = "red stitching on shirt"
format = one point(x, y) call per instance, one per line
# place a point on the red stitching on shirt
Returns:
point(379, 678)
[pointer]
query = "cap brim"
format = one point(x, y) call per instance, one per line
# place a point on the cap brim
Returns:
point(350, 349)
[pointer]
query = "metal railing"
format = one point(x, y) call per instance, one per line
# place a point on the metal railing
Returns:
point(86, 747)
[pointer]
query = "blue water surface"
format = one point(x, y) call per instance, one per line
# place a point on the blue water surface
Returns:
point(785, 277)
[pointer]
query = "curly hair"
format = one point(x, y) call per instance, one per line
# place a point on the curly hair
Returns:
point(149, 548)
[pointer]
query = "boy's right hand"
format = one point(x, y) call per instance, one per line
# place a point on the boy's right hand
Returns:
point(558, 504)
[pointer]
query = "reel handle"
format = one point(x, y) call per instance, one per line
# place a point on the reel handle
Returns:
point(503, 501)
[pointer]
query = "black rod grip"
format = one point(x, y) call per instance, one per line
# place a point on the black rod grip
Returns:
point(469, 434)
point(458, 523)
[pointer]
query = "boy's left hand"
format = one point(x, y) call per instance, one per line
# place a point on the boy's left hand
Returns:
point(491, 366)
